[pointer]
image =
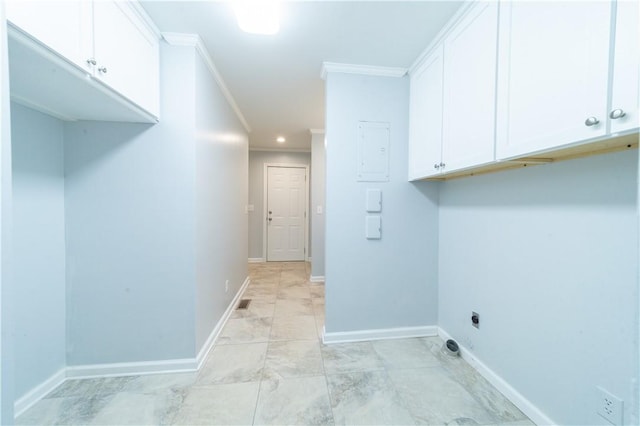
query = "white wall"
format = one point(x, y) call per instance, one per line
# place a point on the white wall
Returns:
point(221, 197)
point(317, 201)
point(7, 394)
point(548, 256)
point(39, 247)
point(387, 283)
point(257, 160)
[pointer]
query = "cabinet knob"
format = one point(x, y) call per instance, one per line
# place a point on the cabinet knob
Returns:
point(91, 61)
point(591, 121)
point(442, 165)
point(436, 166)
point(103, 70)
point(617, 113)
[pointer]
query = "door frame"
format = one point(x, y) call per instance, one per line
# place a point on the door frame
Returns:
point(265, 190)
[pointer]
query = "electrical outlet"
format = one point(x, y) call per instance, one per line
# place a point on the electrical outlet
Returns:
point(609, 406)
point(475, 319)
point(226, 286)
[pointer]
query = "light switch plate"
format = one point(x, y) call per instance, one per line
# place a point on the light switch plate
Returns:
point(374, 200)
point(373, 227)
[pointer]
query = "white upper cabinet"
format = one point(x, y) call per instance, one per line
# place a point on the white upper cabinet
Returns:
point(126, 53)
point(470, 50)
point(625, 93)
point(552, 75)
point(60, 25)
point(55, 45)
point(425, 117)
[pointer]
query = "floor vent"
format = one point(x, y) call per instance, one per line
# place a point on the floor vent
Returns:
point(244, 304)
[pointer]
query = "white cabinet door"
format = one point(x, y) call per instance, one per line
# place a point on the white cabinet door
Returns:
point(126, 54)
point(625, 95)
point(470, 62)
point(425, 117)
point(552, 75)
point(63, 26)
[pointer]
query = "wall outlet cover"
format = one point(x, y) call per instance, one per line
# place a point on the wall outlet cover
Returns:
point(610, 407)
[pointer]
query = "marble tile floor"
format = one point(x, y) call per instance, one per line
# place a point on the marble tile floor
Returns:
point(269, 367)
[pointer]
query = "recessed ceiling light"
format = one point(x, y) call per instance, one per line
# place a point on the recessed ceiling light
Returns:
point(280, 139)
point(258, 17)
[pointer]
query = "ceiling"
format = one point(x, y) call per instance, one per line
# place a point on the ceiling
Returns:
point(275, 80)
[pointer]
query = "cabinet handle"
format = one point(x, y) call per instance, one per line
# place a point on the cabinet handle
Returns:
point(103, 70)
point(91, 61)
point(591, 121)
point(617, 113)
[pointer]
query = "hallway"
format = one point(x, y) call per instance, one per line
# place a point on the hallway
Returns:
point(269, 367)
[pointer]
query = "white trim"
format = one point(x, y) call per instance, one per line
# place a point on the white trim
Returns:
point(211, 340)
point(378, 334)
point(256, 260)
point(328, 67)
point(264, 204)
point(117, 369)
point(145, 18)
point(128, 368)
point(26, 401)
point(273, 149)
point(523, 404)
point(316, 278)
point(316, 131)
point(178, 39)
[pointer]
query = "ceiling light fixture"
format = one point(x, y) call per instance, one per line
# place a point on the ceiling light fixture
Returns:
point(258, 17)
point(280, 139)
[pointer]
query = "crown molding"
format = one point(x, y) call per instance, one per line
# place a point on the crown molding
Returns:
point(142, 14)
point(442, 34)
point(328, 67)
point(270, 149)
point(194, 40)
point(316, 131)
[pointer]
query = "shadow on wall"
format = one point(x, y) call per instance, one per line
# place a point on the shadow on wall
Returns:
point(106, 138)
point(583, 182)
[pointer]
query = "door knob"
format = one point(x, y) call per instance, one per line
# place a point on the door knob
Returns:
point(270, 219)
point(617, 113)
point(270, 212)
point(591, 121)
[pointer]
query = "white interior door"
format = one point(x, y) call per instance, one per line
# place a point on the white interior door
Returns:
point(286, 213)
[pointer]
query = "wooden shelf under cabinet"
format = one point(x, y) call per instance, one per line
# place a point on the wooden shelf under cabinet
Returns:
point(620, 143)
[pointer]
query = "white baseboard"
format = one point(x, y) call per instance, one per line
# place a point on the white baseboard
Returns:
point(379, 334)
point(211, 340)
point(91, 371)
point(523, 404)
point(25, 402)
point(316, 278)
point(256, 260)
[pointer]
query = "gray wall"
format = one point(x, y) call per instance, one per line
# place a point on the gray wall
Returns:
point(548, 256)
point(387, 283)
point(7, 393)
point(317, 200)
point(39, 246)
point(130, 212)
point(257, 160)
point(221, 197)
point(154, 227)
